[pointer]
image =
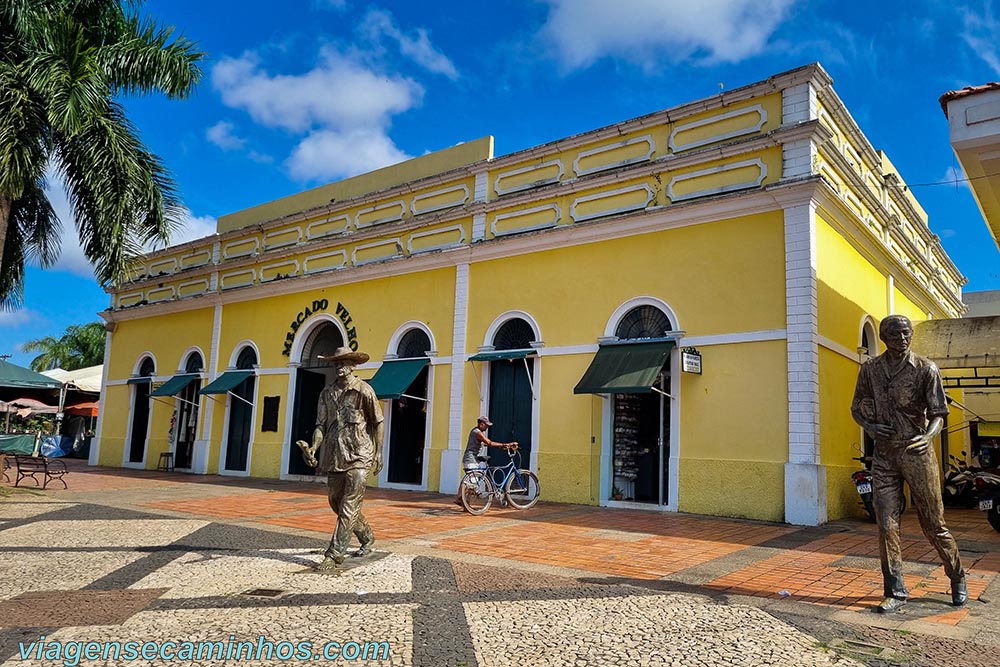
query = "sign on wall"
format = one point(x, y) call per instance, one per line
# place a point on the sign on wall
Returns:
point(691, 360)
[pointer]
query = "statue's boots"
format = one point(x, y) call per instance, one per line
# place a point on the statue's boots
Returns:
point(959, 592)
point(890, 605)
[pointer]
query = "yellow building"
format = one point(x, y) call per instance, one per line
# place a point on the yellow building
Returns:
point(666, 313)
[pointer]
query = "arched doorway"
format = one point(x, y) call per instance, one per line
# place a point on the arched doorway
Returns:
point(310, 378)
point(408, 415)
point(511, 394)
point(640, 446)
point(240, 429)
point(186, 414)
point(140, 411)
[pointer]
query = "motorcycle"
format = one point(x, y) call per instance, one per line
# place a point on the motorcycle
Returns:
point(863, 483)
point(987, 486)
point(959, 489)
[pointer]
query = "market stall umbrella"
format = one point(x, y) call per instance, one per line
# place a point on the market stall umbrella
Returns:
point(88, 409)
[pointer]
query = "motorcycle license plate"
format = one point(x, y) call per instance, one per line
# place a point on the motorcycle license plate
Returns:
point(986, 505)
point(864, 487)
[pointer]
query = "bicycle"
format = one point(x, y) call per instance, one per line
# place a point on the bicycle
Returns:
point(506, 483)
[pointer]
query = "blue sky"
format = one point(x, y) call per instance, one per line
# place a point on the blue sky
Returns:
point(301, 93)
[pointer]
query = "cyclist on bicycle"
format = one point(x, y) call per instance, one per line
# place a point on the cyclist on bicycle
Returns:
point(476, 448)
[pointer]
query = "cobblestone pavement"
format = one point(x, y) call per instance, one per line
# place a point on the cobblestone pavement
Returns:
point(138, 556)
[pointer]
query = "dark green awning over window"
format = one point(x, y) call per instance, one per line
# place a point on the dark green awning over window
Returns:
point(144, 379)
point(226, 382)
point(629, 368)
point(393, 378)
point(498, 355)
point(174, 385)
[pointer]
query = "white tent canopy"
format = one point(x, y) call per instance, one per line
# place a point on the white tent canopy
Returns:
point(82, 379)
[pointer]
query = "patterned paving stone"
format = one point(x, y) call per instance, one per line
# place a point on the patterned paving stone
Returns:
point(74, 608)
point(22, 508)
point(205, 574)
point(92, 534)
point(57, 570)
point(637, 631)
point(314, 624)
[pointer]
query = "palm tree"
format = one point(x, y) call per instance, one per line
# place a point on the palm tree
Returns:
point(81, 346)
point(63, 66)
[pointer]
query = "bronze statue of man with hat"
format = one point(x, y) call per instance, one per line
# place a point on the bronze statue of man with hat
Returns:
point(349, 436)
point(899, 400)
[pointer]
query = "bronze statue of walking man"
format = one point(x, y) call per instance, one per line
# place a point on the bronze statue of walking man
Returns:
point(349, 435)
point(899, 401)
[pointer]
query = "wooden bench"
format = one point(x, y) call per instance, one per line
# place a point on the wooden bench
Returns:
point(50, 469)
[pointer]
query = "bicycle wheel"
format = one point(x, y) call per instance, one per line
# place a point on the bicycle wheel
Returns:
point(477, 492)
point(522, 489)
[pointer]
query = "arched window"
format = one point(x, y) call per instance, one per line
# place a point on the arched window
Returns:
point(414, 343)
point(643, 322)
point(323, 340)
point(194, 363)
point(147, 368)
point(247, 358)
point(514, 334)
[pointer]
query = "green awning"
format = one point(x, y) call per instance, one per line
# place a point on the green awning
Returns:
point(226, 382)
point(18, 377)
point(174, 385)
point(142, 379)
point(498, 355)
point(629, 368)
point(393, 378)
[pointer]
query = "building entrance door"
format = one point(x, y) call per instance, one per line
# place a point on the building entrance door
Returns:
point(641, 451)
point(510, 408)
point(140, 423)
point(407, 432)
point(308, 386)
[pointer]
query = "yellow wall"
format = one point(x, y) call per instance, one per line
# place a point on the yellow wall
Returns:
point(547, 285)
point(166, 336)
point(848, 287)
point(735, 418)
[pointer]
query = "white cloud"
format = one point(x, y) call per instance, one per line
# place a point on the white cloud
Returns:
point(18, 318)
point(343, 107)
point(340, 92)
point(193, 227)
point(338, 5)
point(981, 32)
point(328, 154)
point(644, 31)
point(379, 23)
point(71, 257)
point(956, 176)
point(221, 134)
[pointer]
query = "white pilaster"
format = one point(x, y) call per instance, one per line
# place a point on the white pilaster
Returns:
point(95, 443)
point(451, 458)
point(199, 456)
point(478, 227)
point(481, 184)
point(798, 104)
point(805, 478)
point(797, 158)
